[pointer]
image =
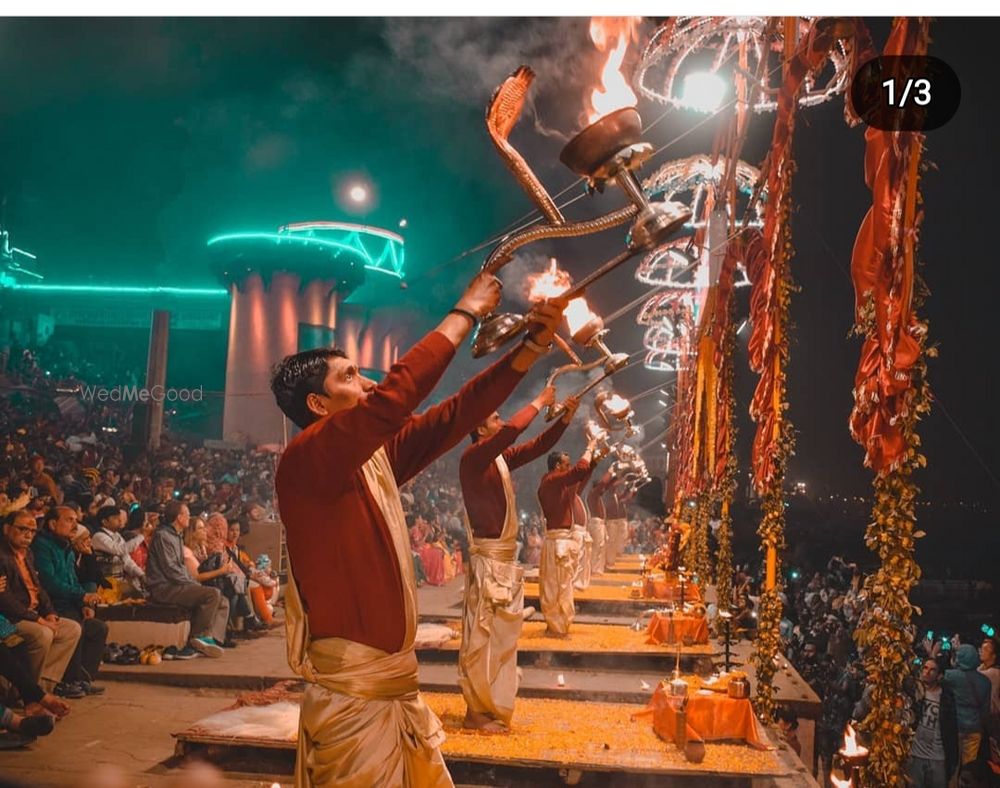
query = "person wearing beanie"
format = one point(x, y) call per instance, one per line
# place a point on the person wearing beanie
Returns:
point(972, 702)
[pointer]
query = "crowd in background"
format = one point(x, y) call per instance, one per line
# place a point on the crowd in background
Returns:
point(89, 520)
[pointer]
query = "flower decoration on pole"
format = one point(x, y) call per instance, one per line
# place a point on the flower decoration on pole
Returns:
point(891, 395)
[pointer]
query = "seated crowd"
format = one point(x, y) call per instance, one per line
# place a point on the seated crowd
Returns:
point(86, 524)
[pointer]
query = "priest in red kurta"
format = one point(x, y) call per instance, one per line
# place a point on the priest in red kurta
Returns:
point(494, 585)
point(351, 601)
point(560, 553)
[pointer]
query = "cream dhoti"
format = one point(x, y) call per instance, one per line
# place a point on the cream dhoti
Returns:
point(363, 722)
point(581, 578)
point(492, 617)
point(617, 538)
point(599, 547)
point(560, 553)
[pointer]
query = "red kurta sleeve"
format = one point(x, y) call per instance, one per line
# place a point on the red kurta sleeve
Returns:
point(327, 452)
point(426, 437)
point(523, 453)
point(485, 451)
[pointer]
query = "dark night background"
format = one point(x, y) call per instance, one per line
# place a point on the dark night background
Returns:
point(126, 144)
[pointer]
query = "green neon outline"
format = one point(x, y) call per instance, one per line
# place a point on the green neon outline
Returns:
point(134, 289)
point(278, 238)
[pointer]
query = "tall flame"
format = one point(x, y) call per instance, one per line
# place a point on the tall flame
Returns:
point(612, 34)
point(851, 746)
point(549, 283)
point(553, 282)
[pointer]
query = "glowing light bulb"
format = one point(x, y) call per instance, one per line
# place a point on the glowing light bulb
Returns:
point(703, 91)
point(358, 194)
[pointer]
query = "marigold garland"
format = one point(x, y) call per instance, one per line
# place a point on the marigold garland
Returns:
point(702, 559)
point(727, 485)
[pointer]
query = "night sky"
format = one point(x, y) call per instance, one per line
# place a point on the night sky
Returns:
point(126, 144)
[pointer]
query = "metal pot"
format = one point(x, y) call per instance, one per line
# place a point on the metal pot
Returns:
point(739, 688)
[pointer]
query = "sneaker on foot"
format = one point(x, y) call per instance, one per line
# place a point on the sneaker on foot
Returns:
point(36, 726)
point(89, 688)
point(206, 646)
point(68, 691)
point(183, 653)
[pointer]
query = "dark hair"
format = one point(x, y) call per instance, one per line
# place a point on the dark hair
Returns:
point(105, 512)
point(11, 517)
point(52, 514)
point(297, 376)
point(554, 459)
point(172, 511)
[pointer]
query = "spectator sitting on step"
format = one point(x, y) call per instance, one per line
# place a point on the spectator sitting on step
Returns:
point(140, 553)
point(114, 554)
point(56, 562)
point(16, 669)
point(170, 583)
point(88, 571)
point(243, 569)
point(49, 640)
point(210, 568)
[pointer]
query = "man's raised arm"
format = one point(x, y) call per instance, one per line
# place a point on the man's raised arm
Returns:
point(333, 447)
point(528, 451)
point(427, 436)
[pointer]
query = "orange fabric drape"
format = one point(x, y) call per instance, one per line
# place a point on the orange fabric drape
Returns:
point(882, 269)
point(710, 717)
point(678, 628)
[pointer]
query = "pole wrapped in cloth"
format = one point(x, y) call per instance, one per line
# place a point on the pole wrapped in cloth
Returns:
point(363, 722)
point(560, 554)
point(581, 579)
point(492, 616)
point(617, 538)
point(599, 545)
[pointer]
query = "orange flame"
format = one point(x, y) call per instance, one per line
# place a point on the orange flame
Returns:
point(612, 34)
point(851, 746)
point(549, 283)
point(578, 314)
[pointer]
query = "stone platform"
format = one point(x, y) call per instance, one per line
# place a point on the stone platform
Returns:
point(553, 741)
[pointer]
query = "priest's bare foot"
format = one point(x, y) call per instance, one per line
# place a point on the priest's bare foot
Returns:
point(483, 722)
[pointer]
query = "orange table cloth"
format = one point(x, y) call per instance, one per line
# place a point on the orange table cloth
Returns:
point(664, 628)
point(657, 587)
point(710, 717)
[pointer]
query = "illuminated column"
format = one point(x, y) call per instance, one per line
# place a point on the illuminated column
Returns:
point(263, 329)
point(286, 281)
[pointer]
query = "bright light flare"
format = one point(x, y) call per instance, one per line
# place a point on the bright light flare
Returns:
point(578, 314)
point(703, 91)
point(617, 405)
point(358, 194)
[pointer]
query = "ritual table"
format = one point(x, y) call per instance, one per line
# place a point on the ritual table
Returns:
point(672, 628)
point(657, 586)
point(711, 715)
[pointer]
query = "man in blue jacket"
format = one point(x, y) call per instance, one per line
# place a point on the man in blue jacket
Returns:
point(55, 560)
point(972, 702)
